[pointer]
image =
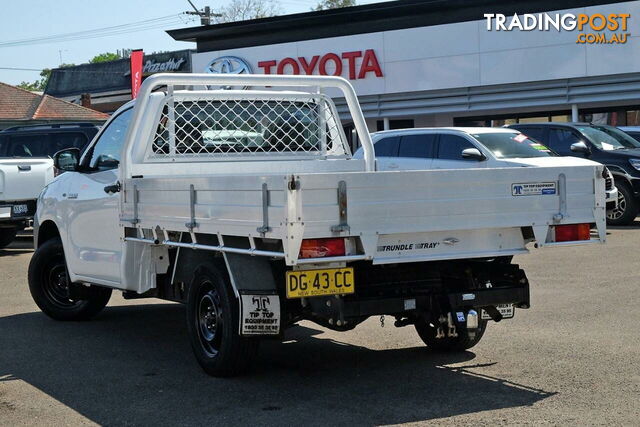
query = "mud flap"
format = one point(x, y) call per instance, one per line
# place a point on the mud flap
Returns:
point(259, 314)
point(255, 287)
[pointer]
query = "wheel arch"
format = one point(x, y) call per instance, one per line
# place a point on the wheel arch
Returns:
point(46, 231)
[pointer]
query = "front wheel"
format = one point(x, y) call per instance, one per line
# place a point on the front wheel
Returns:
point(212, 323)
point(627, 208)
point(7, 235)
point(49, 285)
point(462, 342)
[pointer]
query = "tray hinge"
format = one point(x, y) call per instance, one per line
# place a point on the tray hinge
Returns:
point(135, 219)
point(342, 209)
point(192, 208)
point(265, 211)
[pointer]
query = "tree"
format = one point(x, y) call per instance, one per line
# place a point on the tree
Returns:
point(31, 86)
point(105, 57)
point(334, 4)
point(40, 85)
point(243, 10)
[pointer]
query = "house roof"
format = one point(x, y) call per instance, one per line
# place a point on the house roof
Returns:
point(20, 104)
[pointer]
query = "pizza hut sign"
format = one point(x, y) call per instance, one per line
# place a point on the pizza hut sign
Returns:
point(354, 65)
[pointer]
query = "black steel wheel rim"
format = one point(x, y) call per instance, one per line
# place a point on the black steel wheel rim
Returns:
point(56, 284)
point(209, 319)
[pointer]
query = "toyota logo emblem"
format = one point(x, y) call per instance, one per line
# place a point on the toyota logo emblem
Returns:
point(228, 65)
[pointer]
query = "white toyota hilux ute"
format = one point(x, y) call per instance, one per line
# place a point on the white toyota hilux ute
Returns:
point(21, 181)
point(247, 206)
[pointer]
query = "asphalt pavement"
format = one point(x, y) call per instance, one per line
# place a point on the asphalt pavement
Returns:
point(573, 358)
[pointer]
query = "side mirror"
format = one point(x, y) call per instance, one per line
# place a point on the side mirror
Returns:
point(67, 160)
point(580, 147)
point(473, 154)
point(105, 161)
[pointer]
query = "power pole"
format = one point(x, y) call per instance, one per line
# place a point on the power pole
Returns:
point(204, 14)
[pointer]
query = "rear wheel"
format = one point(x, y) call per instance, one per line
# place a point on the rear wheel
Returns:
point(50, 286)
point(212, 323)
point(627, 208)
point(7, 235)
point(462, 342)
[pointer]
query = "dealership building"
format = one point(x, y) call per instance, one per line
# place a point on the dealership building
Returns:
point(444, 63)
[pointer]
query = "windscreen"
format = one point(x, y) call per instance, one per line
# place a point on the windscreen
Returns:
point(505, 145)
point(608, 137)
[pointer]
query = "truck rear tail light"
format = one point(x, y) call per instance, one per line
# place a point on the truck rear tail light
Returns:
point(572, 232)
point(320, 248)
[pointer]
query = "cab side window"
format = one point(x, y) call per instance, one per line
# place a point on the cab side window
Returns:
point(560, 141)
point(420, 146)
point(105, 153)
point(387, 147)
point(451, 147)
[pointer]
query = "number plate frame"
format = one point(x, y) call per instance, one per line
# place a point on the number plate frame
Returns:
point(20, 210)
point(314, 283)
point(507, 311)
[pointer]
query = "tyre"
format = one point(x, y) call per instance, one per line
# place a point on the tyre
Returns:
point(627, 208)
point(212, 323)
point(49, 286)
point(7, 235)
point(449, 344)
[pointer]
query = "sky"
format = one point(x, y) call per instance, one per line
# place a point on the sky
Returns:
point(27, 19)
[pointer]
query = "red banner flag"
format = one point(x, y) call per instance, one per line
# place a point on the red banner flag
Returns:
point(136, 71)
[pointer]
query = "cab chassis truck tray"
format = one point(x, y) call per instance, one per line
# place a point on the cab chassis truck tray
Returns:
point(245, 204)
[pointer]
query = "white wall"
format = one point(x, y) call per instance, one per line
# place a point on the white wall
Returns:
point(463, 54)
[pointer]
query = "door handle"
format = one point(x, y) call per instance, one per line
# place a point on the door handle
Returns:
point(113, 188)
point(393, 166)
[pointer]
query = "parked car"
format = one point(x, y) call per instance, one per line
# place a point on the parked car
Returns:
point(254, 242)
point(26, 168)
point(601, 143)
point(463, 148)
point(633, 131)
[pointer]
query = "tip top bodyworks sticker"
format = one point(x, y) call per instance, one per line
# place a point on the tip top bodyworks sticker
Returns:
point(533, 189)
